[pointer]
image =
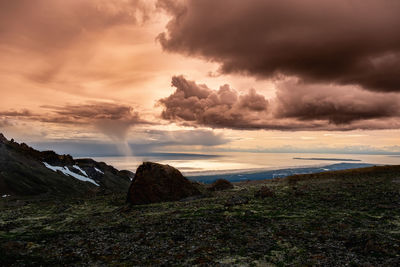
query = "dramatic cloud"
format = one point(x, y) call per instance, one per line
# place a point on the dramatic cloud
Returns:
point(197, 104)
point(309, 107)
point(345, 42)
point(114, 120)
point(142, 143)
point(15, 113)
point(92, 111)
point(336, 104)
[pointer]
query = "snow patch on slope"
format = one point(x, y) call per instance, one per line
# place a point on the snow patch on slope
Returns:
point(79, 169)
point(68, 172)
point(97, 170)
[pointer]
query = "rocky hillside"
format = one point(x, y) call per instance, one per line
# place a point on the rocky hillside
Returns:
point(25, 171)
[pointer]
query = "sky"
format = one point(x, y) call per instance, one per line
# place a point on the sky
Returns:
point(102, 77)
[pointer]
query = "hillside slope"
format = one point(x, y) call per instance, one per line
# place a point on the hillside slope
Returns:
point(25, 171)
point(343, 218)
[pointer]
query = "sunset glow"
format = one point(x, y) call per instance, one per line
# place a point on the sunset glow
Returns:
point(250, 76)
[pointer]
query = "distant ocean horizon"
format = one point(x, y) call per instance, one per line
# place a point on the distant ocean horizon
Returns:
point(198, 164)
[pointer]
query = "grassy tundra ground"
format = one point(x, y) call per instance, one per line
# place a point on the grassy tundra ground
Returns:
point(331, 219)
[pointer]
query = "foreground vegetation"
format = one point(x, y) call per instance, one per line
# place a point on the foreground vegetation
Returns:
point(332, 219)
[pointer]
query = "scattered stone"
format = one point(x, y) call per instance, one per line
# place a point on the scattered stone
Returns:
point(188, 199)
point(236, 200)
point(14, 246)
point(248, 213)
point(396, 180)
point(220, 185)
point(155, 182)
point(61, 208)
point(298, 192)
point(264, 192)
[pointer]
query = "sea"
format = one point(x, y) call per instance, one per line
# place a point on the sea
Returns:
point(238, 166)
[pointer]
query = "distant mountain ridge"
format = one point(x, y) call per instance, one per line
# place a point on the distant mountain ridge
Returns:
point(25, 171)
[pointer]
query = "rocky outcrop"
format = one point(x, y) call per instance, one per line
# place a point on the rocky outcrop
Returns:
point(25, 171)
point(155, 182)
point(3, 139)
point(220, 184)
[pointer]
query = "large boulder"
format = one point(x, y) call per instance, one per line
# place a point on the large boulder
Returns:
point(155, 182)
point(220, 185)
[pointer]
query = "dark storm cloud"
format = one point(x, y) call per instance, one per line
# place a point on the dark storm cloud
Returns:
point(308, 107)
point(92, 111)
point(114, 120)
point(319, 41)
point(336, 104)
point(15, 113)
point(197, 104)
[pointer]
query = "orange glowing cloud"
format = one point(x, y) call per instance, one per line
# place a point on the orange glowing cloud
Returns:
point(102, 69)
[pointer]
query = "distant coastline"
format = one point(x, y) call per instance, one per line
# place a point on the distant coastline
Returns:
point(329, 159)
point(277, 173)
